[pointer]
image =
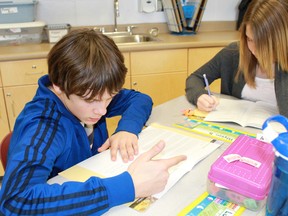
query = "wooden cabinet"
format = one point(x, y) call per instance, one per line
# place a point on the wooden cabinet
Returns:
point(127, 83)
point(4, 126)
point(160, 74)
point(19, 80)
point(16, 97)
point(198, 57)
point(25, 72)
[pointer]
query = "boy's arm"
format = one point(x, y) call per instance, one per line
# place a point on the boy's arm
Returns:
point(25, 190)
point(95, 196)
point(134, 107)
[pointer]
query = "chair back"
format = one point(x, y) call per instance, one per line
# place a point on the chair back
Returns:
point(4, 146)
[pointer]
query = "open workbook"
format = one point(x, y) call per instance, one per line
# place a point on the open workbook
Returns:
point(243, 112)
point(178, 142)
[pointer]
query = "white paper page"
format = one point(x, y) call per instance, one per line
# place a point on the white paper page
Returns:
point(260, 112)
point(176, 144)
point(230, 110)
point(243, 112)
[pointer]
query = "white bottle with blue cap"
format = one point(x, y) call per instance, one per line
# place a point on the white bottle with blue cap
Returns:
point(277, 202)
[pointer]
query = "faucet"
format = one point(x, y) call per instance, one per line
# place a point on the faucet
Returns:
point(116, 14)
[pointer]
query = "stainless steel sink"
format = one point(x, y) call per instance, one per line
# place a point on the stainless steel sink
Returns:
point(124, 37)
point(135, 38)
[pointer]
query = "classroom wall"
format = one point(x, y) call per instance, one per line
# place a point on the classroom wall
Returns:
point(100, 12)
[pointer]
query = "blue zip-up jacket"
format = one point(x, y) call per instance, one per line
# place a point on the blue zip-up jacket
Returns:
point(48, 139)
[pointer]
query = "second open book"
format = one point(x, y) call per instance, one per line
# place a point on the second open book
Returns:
point(243, 112)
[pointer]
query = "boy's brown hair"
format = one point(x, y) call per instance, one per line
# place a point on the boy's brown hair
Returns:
point(85, 62)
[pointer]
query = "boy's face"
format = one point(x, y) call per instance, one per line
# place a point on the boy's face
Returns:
point(87, 111)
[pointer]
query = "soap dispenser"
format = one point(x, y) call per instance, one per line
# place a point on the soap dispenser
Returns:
point(147, 6)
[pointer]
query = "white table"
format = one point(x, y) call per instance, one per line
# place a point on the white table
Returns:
point(188, 188)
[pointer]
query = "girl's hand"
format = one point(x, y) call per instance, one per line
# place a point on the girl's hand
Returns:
point(207, 103)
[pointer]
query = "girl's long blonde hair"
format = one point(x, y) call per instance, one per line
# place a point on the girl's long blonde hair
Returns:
point(268, 20)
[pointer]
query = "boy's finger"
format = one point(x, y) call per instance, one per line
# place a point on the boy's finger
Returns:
point(156, 149)
point(174, 160)
point(113, 153)
point(105, 146)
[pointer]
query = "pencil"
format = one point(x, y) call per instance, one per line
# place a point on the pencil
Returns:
point(207, 84)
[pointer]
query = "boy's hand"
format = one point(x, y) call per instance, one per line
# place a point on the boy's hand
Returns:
point(207, 103)
point(151, 176)
point(125, 142)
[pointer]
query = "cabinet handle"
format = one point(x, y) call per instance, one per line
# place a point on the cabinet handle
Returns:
point(12, 103)
point(135, 84)
point(33, 72)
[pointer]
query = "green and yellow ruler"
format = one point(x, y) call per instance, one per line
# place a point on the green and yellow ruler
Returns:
point(207, 205)
point(209, 129)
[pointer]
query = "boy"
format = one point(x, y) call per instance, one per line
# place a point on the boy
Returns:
point(86, 73)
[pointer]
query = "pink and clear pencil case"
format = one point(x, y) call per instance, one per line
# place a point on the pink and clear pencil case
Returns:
point(242, 174)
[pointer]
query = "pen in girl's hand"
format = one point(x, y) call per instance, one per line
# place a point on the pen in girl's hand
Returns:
point(207, 84)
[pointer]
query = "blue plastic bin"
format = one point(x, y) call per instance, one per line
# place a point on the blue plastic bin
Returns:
point(17, 11)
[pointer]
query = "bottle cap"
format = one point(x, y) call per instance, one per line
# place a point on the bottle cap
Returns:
point(278, 139)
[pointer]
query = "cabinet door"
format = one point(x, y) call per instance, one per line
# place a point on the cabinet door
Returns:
point(160, 74)
point(198, 57)
point(16, 98)
point(1, 82)
point(163, 61)
point(4, 126)
point(127, 83)
point(161, 87)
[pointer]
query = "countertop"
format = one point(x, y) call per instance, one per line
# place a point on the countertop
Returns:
point(167, 41)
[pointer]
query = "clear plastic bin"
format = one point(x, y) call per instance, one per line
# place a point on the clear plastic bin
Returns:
point(21, 33)
point(234, 197)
